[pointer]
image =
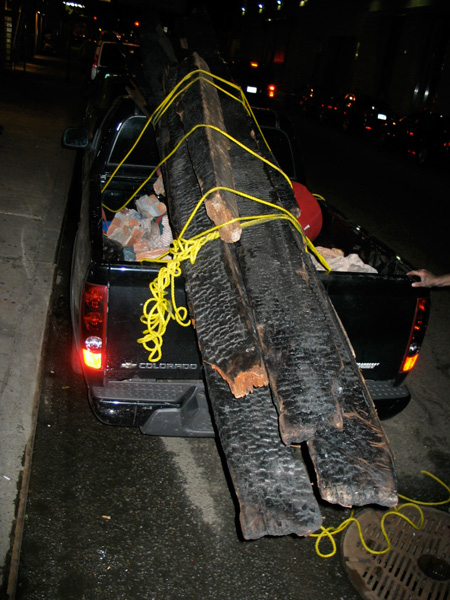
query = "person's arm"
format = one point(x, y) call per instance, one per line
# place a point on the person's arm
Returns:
point(427, 279)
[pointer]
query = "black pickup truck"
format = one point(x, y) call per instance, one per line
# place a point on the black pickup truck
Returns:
point(384, 317)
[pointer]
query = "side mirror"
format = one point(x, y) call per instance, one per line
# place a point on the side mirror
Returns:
point(75, 138)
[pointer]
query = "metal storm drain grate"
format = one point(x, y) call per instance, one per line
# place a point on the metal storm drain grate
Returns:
point(417, 567)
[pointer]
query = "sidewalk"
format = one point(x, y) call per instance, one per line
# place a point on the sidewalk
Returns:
point(36, 104)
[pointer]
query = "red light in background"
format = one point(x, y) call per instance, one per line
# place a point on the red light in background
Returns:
point(279, 57)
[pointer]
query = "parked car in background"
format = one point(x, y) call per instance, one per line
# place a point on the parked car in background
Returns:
point(257, 81)
point(103, 92)
point(424, 135)
point(306, 100)
point(338, 110)
point(356, 112)
point(310, 101)
point(373, 115)
point(111, 57)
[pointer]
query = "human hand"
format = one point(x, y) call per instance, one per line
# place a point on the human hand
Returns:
point(428, 279)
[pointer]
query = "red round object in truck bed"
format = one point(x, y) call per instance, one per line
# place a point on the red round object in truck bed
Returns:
point(311, 215)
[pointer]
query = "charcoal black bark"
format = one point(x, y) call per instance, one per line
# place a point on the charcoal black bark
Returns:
point(260, 310)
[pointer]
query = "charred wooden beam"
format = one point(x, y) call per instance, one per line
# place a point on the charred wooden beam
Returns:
point(200, 105)
point(299, 351)
point(220, 307)
point(302, 387)
point(309, 358)
point(260, 310)
point(354, 467)
point(270, 479)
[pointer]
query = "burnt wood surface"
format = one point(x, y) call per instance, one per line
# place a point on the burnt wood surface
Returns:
point(308, 357)
point(258, 303)
point(270, 479)
point(200, 105)
point(355, 467)
point(295, 333)
point(352, 457)
point(219, 305)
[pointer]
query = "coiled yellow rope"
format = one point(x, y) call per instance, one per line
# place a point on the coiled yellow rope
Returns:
point(158, 310)
point(330, 533)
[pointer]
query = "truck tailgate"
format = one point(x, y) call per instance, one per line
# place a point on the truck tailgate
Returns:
point(377, 313)
point(126, 358)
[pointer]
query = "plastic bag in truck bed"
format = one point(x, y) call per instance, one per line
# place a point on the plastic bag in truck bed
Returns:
point(335, 257)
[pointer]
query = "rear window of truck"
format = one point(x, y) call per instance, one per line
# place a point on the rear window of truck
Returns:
point(145, 154)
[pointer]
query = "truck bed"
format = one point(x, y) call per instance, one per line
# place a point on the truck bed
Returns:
point(377, 311)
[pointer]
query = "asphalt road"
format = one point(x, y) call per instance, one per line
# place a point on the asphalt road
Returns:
point(114, 514)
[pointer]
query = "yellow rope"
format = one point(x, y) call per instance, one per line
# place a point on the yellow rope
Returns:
point(429, 503)
point(161, 109)
point(330, 533)
point(175, 149)
point(158, 311)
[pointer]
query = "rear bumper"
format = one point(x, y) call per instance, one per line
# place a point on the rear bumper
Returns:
point(157, 407)
point(389, 399)
point(180, 408)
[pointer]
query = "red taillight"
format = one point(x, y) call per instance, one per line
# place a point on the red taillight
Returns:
point(93, 296)
point(409, 363)
point(92, 359)
point(93, 321)
point(93, 324)
point(417, 334)
point(271, 90)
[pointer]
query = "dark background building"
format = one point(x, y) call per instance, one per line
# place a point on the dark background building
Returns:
point(394, 50)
